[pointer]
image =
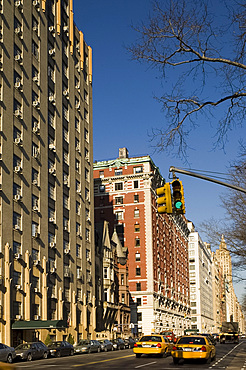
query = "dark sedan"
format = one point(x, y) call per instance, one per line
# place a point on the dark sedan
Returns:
point(31, 351)
point(7, 353)
point(210, 337)
point(118, 343)
point(129, 342)
point(106, 345)
point(60, 348)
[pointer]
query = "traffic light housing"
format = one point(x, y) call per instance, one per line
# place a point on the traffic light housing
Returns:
point(178, 197)
point(165, 199)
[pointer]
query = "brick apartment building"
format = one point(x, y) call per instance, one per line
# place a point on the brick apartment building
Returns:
point(124, 195)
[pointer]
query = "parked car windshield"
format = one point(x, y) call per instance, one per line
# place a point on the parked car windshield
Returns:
point(83, 342)
point(55, 344)
point(191, 340)
point(24, 346)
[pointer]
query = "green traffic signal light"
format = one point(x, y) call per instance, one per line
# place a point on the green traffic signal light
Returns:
point(178, 196)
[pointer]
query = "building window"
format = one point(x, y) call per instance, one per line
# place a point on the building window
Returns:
point(65, 201)
point(65, 223)
point(86, 134)
point(136, 228)
point(118, 186)
point(16, 189)
point(119, 215)
point(105, 273)
point(77, 165)
point(51, 192)
point(137, 242)
point(51, 119)
point(87, 235)
point(137, 256)
point(102, 188)
point(35, 151)
point(65, 113)
point(51, 73)
point(136, 213)
point(136, 198)
point(118, 200)
point(135, 184)
point(16, 247)
point(122, 279)
point(35, 229)
point(34, 202)
point(139, 301)
point(35, 254)
point(123, 298)
point(138, 271)
point(35, 49)
point(139, 316)
point(101, 174)
point(86, 115)
point(16, 278)
point(118, 172)
point(77, 124)
point(77, 207)
point(138, 287)
point(138, 169)
point(17, 221)
point(87, 174)
point(78, 250)
point(66, 157)
point(87, 194)
point(35, 74)
point(78, 229)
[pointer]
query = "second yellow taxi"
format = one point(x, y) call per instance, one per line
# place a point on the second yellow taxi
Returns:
point(153, 345)
point(190, 347)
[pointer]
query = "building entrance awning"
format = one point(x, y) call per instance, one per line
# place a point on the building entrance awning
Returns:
point(40, 324)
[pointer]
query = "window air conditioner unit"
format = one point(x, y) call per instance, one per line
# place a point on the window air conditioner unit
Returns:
point(18, 317)
point(18, 141)
point(52, 147)
point(18, 287)
point(18, 4)
point(79, 275)
point(18, 113)
point(52, 170)
point(17, 197)
point(36, 129)
point(53, 296)
point(52, 52)
point(36, 104)
point(35, 79)
point(36, 3)
point(18, 31)
point(78, 191)
point(66, 29)
point(17, 256)
point(53, 270)
point(77, 149)
point(52, 29)
point(35, 208)
point(66, 92)
point(66, 250)
point(35, 28)
point(17, 227)
point(18, 58)
point(36, 235)
point(35, 182)
point(36, 262)
point(67, 274)
point(52, 245)
point(77, 106)
point(36, 290)
point(36, 154)
point(36, 317)
point(52, 99)
point(18, 169)
point(18, 85)
point(52, 220)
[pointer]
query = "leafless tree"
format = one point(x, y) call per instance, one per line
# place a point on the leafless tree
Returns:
point(233, 226)
point(199, 47)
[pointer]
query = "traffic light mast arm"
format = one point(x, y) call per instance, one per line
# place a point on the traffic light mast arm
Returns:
point(194, 174)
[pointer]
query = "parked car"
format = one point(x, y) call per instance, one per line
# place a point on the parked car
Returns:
point(87, 346)
point(31, 351)
point(106, 345)
point(193, 347)
point(129, 342)
point(7, 354)
point(153, 345)
point(170, 335)
point(216, 336)
point(60, 348)
point(118, 343)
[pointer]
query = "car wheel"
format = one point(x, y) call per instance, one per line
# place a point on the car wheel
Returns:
point(29, 357)
point(112, 348)
point(165, 353)
point(175, 360)
point(45, 355)
point(10, 359)
point(138, 355)
point(71, 352)
point(89, 350)
point(98, 350)
point(58, 354)
point(208, 361)
point(106, 350)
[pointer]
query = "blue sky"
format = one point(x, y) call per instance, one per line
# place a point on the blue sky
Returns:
point(124, 110)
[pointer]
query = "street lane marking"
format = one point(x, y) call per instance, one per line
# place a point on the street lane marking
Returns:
point(150, 363)
point(223, 357)
point(98, 362)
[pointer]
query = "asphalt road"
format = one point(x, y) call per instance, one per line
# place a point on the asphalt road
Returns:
point(229, 357)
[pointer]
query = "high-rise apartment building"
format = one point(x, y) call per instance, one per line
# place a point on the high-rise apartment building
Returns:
point(124, 193)
point(46, 203)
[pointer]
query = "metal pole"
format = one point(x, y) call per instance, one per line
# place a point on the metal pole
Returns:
point(194, 174)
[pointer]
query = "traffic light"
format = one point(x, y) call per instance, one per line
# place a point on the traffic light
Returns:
point(165, 201)
point(178, 197)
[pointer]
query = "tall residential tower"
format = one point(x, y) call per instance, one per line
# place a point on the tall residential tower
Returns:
point(46, 203)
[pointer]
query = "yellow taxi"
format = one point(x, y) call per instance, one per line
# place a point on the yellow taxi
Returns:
point(153, 344)
point(190, 347)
